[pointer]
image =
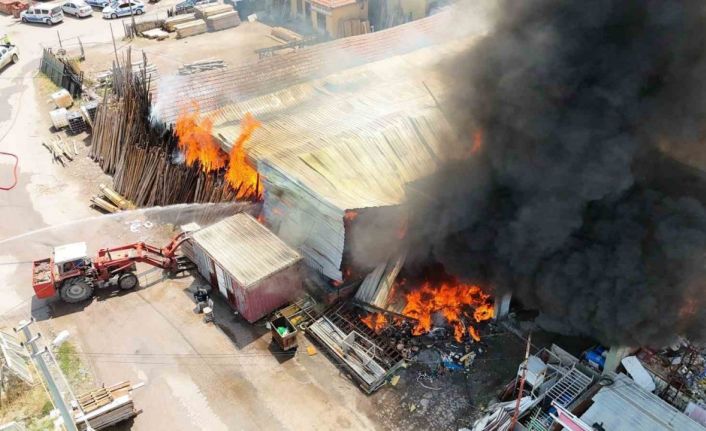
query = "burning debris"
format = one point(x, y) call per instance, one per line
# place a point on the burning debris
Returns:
point(556, 202)
point(438, 304)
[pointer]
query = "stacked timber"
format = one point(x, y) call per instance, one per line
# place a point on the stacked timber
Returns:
point(104, 407)
point(286, 34)
point(191, 28)
point(171, 22)
point(139, 152)
point(205, 11)
point(223, 21)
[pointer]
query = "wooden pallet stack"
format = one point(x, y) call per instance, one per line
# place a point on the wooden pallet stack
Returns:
point(223, 21)
point(190, 28)
point(106, 406)
point(171, 22)
point(205, 11)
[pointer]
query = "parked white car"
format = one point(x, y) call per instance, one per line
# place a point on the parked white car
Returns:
point(123, 8)
point(44, 13)
point(8, 54)
point(77, 8)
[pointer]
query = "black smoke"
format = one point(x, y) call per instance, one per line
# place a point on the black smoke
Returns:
point(573, 100)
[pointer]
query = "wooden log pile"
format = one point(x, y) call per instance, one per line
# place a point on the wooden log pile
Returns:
point(142, 154)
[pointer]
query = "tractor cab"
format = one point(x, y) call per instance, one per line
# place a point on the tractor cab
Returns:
point(70, 259)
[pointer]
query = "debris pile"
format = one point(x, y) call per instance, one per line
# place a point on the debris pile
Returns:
point(679, 372)
point(201, 66)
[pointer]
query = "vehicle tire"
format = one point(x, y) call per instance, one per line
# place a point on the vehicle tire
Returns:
point(139, 12)
point(24, 20)
point(114, 16)
point(15, 58)
point(76, 290)
point(47, 22)
point(128, 281)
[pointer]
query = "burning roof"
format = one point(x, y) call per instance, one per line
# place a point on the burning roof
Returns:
point(213, 90)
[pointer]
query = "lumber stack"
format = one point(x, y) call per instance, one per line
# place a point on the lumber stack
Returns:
point(104, 407)
point(205, 11)
point(286, 34)
point(138, 151)
point(191, 28)
point(171, 22)
point(223, 21)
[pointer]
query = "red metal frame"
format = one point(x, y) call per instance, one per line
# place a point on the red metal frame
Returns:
point(111, 261)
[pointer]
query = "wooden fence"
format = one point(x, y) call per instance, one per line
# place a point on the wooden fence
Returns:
point(61, 73)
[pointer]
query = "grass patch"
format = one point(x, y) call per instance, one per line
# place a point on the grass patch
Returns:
point(26, 404)
point(70, 365)
point(46, 85)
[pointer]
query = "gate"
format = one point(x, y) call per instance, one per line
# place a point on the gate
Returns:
point(61, 73)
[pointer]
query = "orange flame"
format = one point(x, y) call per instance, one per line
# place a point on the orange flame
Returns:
point(350, 215)
point(240, 175)
point(450, 299)
point(375, 321)
point(196, 141)
point(473, 333)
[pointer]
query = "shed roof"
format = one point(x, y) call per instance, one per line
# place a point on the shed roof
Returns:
point(625, 406)
point(246, 249)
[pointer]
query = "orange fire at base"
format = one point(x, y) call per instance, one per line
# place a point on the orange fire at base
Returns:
point(451, 299)
point(240, 175)
point(375, 321)
point(196, 141)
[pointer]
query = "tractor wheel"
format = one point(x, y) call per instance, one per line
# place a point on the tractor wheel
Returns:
point(127, 281)
point(76, 290)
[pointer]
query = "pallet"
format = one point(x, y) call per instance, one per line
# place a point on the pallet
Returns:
point(223, 21)
point(191, 28)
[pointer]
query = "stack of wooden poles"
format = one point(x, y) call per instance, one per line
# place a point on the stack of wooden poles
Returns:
point(140, 152)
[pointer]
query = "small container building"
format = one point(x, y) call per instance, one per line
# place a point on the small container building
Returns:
point(249, 265)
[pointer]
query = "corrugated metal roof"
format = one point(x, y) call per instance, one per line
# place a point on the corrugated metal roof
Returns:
point(214, 89)
point(246, 249)
point(354, 138)
point(625, 406)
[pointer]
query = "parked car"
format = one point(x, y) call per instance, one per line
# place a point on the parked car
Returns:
point(123, 8)
point(47, 13)
point(77, 8)
point(8, 54)
point(187, 6)
point(98, 3)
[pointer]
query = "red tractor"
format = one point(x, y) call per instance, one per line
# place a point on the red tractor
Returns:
point(74, 275)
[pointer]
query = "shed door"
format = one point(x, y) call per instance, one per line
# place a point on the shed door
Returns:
point(220, 276)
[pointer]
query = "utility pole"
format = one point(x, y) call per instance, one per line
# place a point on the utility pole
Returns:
point(40, 361)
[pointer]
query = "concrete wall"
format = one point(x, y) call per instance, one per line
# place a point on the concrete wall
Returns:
point(334, 18)
point(334, 22)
